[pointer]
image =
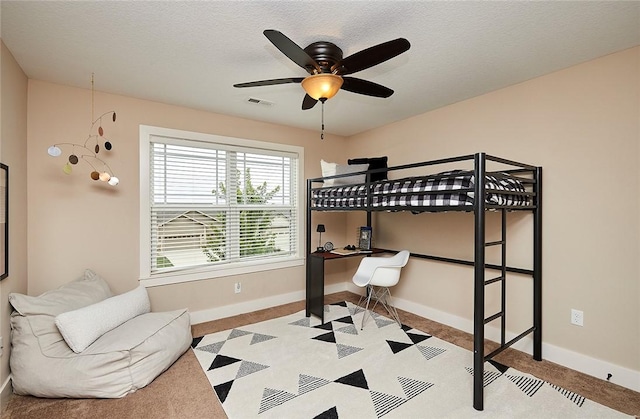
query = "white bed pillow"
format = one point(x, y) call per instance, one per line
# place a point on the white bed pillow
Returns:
point(328, 169)
point(350, 180)
point(81, 327)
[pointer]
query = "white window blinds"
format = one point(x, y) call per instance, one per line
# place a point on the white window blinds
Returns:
point(217, 204)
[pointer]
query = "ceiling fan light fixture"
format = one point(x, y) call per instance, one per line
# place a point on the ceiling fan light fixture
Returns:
point(322, 85)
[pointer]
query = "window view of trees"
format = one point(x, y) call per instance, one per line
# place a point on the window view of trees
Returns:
point(257, 231)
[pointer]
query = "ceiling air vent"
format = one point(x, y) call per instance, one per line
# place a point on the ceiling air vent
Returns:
point(259, 101)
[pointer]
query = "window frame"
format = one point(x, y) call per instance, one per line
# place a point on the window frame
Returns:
point(147, 279)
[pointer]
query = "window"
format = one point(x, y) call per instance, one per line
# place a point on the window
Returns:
point(213, 206)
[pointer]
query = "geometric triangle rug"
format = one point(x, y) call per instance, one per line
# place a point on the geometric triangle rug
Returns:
point(295, 367)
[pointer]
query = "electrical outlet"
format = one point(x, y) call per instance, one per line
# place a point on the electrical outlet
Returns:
point(577, 317)
point(237, 287)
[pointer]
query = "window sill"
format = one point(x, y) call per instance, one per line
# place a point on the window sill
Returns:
point(177, 277)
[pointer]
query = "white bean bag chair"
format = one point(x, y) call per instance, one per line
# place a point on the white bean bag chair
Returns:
point(80, 341)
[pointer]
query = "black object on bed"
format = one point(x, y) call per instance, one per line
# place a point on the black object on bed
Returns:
point(512, 186)
point(374, 163)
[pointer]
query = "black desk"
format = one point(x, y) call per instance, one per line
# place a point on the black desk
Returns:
point(315, 279)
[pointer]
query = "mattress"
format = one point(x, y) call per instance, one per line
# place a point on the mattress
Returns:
point(451, 189)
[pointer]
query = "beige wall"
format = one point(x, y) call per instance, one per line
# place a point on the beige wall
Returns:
point(76, 223)
point(13, 153)
point(581, 124)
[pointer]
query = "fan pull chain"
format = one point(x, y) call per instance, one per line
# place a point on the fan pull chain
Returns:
point(322, 132)
point(322, 100)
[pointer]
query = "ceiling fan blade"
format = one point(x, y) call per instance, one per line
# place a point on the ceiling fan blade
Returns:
point(308, 102)
point(292, 50)
point(372, 56)
point(270, 82)
point(364, 87)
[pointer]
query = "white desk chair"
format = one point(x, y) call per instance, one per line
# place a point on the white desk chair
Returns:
point(377, 274)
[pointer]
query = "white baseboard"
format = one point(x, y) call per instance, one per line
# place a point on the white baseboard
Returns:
point(622, 376)
point(5, 392)
point(254, 305)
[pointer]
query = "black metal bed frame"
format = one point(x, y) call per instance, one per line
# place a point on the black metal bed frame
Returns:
point(529, 175)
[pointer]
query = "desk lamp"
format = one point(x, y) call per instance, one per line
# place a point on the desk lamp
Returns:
point(320, 230)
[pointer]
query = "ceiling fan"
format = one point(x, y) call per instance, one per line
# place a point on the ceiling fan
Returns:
point(328, 70)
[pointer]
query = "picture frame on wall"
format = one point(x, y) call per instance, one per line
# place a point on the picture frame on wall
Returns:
point(4, 221)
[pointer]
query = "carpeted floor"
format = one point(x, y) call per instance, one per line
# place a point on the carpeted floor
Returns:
point(184, 391)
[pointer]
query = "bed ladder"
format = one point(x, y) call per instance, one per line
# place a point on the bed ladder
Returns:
point(480, 281)
point(502, 278)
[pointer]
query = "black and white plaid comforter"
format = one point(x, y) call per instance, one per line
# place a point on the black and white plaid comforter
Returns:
point(447, 189)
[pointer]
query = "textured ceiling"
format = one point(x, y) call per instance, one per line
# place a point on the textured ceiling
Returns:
point(191, 53)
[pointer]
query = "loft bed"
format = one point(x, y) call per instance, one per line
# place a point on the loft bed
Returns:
point(515, 187)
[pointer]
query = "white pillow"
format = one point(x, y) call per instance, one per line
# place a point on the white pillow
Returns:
point(328, 169)
point(81, 327)
point(350, 180)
